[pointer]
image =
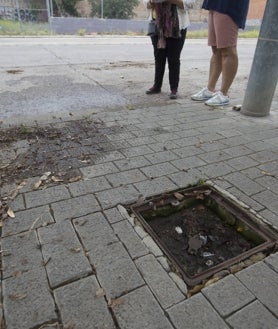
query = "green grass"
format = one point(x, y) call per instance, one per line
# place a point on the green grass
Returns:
point(13, 28)
point(8, 27)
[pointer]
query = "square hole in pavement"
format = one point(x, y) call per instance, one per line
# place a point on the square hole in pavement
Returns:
point(201, 231)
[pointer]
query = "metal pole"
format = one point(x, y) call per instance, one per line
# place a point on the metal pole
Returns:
point(101, 15)
point(264, 72)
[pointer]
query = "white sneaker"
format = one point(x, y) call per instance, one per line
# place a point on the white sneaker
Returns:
point(202, 95)
point(218, 99)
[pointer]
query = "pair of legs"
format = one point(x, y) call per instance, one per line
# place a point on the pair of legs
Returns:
point(222, 38)
point(171, 53)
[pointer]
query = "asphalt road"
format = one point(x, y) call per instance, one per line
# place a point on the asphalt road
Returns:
point(41, 75)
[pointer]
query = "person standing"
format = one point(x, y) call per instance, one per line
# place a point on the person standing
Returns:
point(172, 20)
point(225, 17)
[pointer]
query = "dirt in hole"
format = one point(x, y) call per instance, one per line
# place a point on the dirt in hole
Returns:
point(198, 239)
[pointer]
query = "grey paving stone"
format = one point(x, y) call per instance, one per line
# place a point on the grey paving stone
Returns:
point(188, 151)
point(186, 178)
point(108, 157)
point(265, 156)
point(270, 182)
point(157, 170)
point(48, 195)
point(75, 207)
point(263, 283)
point(26, 220)
point(63, 254)
point(134, 245)
point(89, 186)
point(215, 156)
point(270, 217)
point(270, 167)
point(244, 183)
point(245, 199)
point(242, 162)
point(252, 172)
point(137, 150)
point(272, 261)
point(115, 269)
point(195, 313)
point(216, 170)
point(164, 137)
point(267, 199)
point(80, 307)
point(17, 204)
point(27, 300)
point(162, 146)
point(210, 146)
point(228, 295)
point(157, 279)
point(237, 151)
point(160, 157)
point(98, 170)
point(132, 163)
point(113, 215)
point(142, 141)
point(185, 134)
point(188, 163)
point(94, 231)
point(21, 253)
point(155, 186)
point(126, 177)
point(253, 316)
point(139, 309)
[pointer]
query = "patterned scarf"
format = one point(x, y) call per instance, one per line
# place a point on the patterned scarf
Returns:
point(167, 22)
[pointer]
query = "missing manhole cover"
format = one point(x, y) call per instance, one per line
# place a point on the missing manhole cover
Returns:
point(202, 232)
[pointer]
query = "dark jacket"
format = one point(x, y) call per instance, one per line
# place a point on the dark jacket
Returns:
point(236, 9)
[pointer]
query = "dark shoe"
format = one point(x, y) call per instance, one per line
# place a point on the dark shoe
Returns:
point(173, 94)
point(153, 90)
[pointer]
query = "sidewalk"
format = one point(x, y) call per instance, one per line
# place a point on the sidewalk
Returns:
point(72, 257)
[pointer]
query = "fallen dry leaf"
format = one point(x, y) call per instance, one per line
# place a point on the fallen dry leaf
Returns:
point(178, 196)
point(266, 173)
point(100, 292)
point(56, 179)
point(37, 184)
point(75, 250)
point(14, 71)
point(114, 302)
point(75, 179)
point(17, 296)
point(10, 213)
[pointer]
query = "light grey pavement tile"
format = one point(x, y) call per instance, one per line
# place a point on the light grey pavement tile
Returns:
point(115, 269)
point(132, 163)
point(215, 156)
point(113, 215)
point(272, 261)
point(126, 177)
point(75, 207)
point(27, 300)
point(244, 183)
point(236, 140)
point(155, 186)
point(158, 280)
point(163, 146)
point(228, 295)
point(118, 195)
point(120, 136)
point(214, 170)
point(210, 136)
point(137, 150)
point(188, 163)
point(166, 137)
point(245, 199)
point(48, 195)
point(221, 183)
point(258, 145)
point(17, 204)
point(254, 316)
point(108, 157)
point(267, 199)
point(188, 151)
point(94, 231)
point(211, 146)
point(157, 170)
point(270, 217)
point(134, 245)
point(81, 307)
point(270, 167)
point(188, 141)
point(237, 151)
point(139, 309)
point(98, 170)
point(229, 132)
point(185, 178)
point(263, 283)
point(265, 156)
point(27, 219)
point(89, 186)
point(195, 313)
point(270, 182)
point(159, 157)
point(141, 141)
point(242, 162)
point(252, 172)
point(186, 132)
point(21, 253)
point(63, 254)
